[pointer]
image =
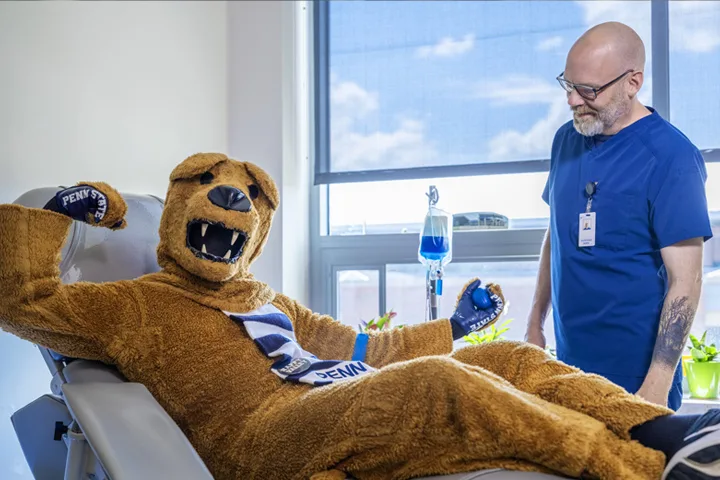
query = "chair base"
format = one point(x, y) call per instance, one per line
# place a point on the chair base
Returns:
point(60, 451)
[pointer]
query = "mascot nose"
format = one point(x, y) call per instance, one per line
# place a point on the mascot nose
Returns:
point(229, 198)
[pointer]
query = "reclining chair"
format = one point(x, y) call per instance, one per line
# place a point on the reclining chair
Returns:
point(95, 424)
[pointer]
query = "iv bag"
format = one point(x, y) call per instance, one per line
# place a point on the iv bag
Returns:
point(436, 238)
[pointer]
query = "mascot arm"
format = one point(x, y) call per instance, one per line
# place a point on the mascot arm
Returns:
point(327, 338)
point(82, 320)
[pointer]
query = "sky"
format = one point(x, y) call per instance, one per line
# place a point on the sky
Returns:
point(433, 83)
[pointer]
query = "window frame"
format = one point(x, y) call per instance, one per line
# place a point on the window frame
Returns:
point(332, 253)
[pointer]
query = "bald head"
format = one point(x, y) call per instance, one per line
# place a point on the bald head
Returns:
point(608, 49)
point(602, 59)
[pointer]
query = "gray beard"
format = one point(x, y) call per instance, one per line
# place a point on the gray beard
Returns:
point(602, 120)
point(589, 128)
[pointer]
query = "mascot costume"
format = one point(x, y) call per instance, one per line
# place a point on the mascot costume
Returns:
point(276, 391)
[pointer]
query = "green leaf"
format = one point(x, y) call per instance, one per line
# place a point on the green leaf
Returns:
point(711, 350)
point(702, 340)
point(694, 340)
point(698, 355)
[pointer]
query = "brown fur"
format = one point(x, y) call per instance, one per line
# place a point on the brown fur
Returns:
point(114, 218)
point(425, 411)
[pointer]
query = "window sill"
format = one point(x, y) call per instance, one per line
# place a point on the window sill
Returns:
point(697, 405)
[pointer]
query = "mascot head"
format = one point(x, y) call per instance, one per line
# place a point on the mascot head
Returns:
point(217, 216)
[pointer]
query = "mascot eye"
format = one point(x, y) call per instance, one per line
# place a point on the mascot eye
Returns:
point(254, 191)
point(206, 178)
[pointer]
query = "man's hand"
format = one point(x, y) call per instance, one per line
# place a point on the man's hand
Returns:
point(656, 388)
point(469, 316)
point(535, 335)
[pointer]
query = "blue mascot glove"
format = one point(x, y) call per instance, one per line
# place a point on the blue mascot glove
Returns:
point(477, 308)
point(86, 203)
point(83, 203)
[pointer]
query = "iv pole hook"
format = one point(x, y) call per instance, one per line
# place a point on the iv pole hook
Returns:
point(433, 195)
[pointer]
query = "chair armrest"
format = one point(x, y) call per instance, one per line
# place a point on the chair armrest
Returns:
point(131, 434)
point(85, 371)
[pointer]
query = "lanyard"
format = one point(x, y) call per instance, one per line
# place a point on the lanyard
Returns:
point(590, 190)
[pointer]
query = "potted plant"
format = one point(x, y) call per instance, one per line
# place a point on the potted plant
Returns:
point(703, 370)
point(488, 335)
point(383, 323)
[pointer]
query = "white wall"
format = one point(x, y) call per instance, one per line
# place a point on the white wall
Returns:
point(116, 91)
point(267, 125)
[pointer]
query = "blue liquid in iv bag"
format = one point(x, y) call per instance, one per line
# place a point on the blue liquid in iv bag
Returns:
point(436, 238)
point(434, 247)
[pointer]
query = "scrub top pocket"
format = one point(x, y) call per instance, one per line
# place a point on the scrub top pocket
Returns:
point(615, 215)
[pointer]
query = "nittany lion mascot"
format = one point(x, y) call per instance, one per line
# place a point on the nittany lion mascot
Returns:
point(266, 389)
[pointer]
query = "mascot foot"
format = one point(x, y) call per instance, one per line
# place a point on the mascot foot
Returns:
point(699, 456)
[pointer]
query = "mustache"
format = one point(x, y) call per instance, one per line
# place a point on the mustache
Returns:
point(582, 110)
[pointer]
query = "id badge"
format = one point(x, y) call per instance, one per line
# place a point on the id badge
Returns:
point(586, 237)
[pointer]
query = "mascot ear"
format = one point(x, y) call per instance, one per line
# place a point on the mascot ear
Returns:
point(197, 165)
point(265, 183)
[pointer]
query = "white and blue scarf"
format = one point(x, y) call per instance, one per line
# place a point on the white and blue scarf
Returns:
point(273, 333)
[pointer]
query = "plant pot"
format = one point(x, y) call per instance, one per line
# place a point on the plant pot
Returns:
point(703, 379)
point(685, 358)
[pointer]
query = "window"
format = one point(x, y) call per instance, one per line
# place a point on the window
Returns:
point(695, 69)
point(427, 84)
point(405, 293)
point(712, 187)
point(462, 96)
point(358, 296)
point(399, 206)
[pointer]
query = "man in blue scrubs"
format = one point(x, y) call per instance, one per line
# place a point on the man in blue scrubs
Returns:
point(621, 263)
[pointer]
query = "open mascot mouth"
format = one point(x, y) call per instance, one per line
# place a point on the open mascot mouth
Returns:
point(213, 241)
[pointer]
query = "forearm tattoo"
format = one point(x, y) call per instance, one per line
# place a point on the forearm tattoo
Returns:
point(675, 323)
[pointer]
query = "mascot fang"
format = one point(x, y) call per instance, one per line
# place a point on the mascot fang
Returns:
point(264, 388)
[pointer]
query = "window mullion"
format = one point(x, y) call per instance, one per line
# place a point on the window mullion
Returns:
point(660, 68)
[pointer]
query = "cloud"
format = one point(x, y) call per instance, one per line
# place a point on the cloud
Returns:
point(355, 148)
point(447, 47)
point(534, 143)
point(549, 43)
point(694, 26)
point(636, 15)
point(517, 90)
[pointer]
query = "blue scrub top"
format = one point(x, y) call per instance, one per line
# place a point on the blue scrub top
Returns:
point(607, 299)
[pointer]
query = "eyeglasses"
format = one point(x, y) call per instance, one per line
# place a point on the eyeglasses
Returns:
point(586, 91)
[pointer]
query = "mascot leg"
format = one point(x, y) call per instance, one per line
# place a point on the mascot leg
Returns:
point(530, 369)
point(433, 415)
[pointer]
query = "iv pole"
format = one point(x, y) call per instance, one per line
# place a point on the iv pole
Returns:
point(433, 276)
